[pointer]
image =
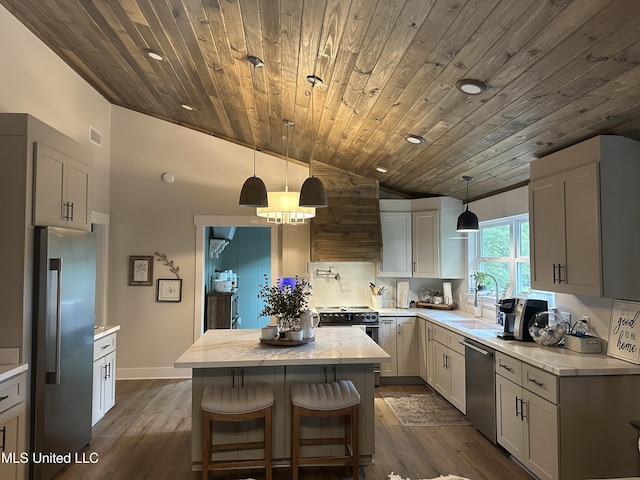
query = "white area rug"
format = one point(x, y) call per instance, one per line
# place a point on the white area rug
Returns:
point(393, 476)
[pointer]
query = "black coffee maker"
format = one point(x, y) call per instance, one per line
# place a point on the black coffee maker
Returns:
point(518, 316)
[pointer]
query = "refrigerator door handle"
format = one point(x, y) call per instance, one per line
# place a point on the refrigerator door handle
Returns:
point(53, 378)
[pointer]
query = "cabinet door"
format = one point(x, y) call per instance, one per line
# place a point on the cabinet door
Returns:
point(97, 403)
point(77, 198)
point(540, 452)
point(510, 425)
point(407, 345)
point(49, 193)
point(580, 218)
point(387, 340)
point(12, 436)
point(426, 244)
point(109, 390)
point(546, 235)
point(430, 353)
point(422, 348)
point(296, 248)
point(457, 388)
point(441, 376)
point(396, 244)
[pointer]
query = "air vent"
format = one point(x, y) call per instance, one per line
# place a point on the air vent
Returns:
point(95, 136)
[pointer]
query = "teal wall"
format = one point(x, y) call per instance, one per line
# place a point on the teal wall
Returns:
point(249, 255)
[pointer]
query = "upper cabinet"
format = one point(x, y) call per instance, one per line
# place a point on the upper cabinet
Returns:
point(419, 238)
point(585, 228)
point(295, 243)
point(61, 183)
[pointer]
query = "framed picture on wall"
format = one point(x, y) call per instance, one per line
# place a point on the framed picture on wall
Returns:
point(169, 290)
point(141, 270)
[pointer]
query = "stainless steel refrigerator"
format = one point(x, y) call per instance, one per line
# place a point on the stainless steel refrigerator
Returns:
point(62, 348)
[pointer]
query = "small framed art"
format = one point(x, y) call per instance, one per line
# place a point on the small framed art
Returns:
point(141, 270)
point(169, 290)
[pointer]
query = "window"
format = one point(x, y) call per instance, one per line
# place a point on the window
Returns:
point(501, 249)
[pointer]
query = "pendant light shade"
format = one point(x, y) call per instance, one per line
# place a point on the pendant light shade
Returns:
point(312, 193)
point(467, 221)
point(253, 193)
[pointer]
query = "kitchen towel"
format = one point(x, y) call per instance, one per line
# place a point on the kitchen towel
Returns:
point(402, 294)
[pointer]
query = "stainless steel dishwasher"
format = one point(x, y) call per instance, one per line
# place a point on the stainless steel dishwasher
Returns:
point(480, 383)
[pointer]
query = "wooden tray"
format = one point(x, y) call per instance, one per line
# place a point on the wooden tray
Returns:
point(285, 342)
point(437, 306)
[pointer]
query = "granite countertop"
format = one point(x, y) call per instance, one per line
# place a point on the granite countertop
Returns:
point(557, 360)
point(242, 348)
point(11, 370)
point(104, 330)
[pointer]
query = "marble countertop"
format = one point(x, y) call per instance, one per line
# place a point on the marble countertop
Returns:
point(11, 370)
point(242, 348)
point(104, 330)
point(557, 360)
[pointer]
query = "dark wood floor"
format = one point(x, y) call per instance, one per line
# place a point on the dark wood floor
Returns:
point(147, 436)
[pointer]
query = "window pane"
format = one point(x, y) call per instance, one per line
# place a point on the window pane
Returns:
point(523, 282)
point(524, 239)
point(495, 241)
point(500, 270)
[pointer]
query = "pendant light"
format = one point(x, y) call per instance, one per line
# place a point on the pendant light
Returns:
point(254, 191)
point(467, 221)
point(284, 206)
point(312, 193)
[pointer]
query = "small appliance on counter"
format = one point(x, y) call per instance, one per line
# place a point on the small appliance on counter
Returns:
point(518, 316)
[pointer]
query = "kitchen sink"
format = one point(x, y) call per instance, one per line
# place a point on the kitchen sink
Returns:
point(476, 325)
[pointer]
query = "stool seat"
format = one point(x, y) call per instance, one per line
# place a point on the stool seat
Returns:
point(325, 396)
point(247, 399)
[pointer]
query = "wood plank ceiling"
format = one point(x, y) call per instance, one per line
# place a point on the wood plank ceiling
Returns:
point(557, 71)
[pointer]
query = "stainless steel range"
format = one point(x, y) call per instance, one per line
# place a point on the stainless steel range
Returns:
point(364, 317)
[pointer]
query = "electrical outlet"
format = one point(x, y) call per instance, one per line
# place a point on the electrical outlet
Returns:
point(566, 316)
point(585, 319)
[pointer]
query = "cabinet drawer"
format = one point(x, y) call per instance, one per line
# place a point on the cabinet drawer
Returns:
point(441, 335)
point(454, 343)
point(509, 367)
point(104, 346)
point(539, 382)
point(12, 392)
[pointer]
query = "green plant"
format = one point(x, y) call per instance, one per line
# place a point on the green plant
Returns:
point(480, 279)
point(286, 299)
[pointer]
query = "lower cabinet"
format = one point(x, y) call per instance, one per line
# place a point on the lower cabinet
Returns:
point(448, 366)
point(399, 337)
point(527, 423)
point(104, 377)
point(13, 417)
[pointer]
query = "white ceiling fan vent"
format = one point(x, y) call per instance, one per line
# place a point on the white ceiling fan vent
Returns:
point(95, 136)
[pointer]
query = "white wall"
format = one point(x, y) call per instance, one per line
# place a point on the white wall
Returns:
point(36, 81)
point(150, 216)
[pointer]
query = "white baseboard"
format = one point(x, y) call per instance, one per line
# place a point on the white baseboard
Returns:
point(152, 373)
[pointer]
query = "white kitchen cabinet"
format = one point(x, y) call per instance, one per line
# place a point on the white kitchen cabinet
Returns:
point(422, 349)
point(579, 201)
point(424, 245)
point(399, 337)
point(449, 367)
point(104, 376)
point(527, 423)
point(61, 189)
point(396, 244)
point(13, 417)
point(296, 250)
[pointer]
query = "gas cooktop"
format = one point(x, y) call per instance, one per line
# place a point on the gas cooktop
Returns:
point(338, 308)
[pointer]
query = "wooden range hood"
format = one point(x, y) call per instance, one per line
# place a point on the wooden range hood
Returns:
point(349, 228)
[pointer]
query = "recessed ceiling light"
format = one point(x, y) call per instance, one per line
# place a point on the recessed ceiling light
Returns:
point(382, 169)
point(156, 55)
point(471, 86)
point(415, 139)
point(188, 107)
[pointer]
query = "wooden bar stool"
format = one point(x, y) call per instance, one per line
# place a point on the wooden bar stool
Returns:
point(224, 404)
point(334, 399)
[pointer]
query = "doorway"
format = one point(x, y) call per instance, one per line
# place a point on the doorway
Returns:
point(248, 255)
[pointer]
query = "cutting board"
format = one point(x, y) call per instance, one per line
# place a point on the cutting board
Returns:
point(437, 306)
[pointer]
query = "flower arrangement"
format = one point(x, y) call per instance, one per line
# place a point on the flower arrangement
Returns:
point(285, 300)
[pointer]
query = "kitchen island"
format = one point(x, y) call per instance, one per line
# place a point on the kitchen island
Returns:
point(237, 357)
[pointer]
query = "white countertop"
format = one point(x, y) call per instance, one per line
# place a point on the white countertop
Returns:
point(11, 370)
point(242, 348)
point(557, 360)
point(104, 330)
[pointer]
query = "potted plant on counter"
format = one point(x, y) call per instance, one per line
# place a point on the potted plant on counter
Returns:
point(285, 300)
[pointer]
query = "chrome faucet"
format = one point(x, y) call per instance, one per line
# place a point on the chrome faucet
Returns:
point(497, 304)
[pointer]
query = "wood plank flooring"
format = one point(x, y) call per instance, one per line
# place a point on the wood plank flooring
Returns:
point(147, 436)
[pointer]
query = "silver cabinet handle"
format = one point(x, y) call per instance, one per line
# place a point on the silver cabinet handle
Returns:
point(522, 415)
point(536, 382)
point(3, 445)
point(53, 377)
point(507, 368)
point(517, 413)
point(4, 397)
